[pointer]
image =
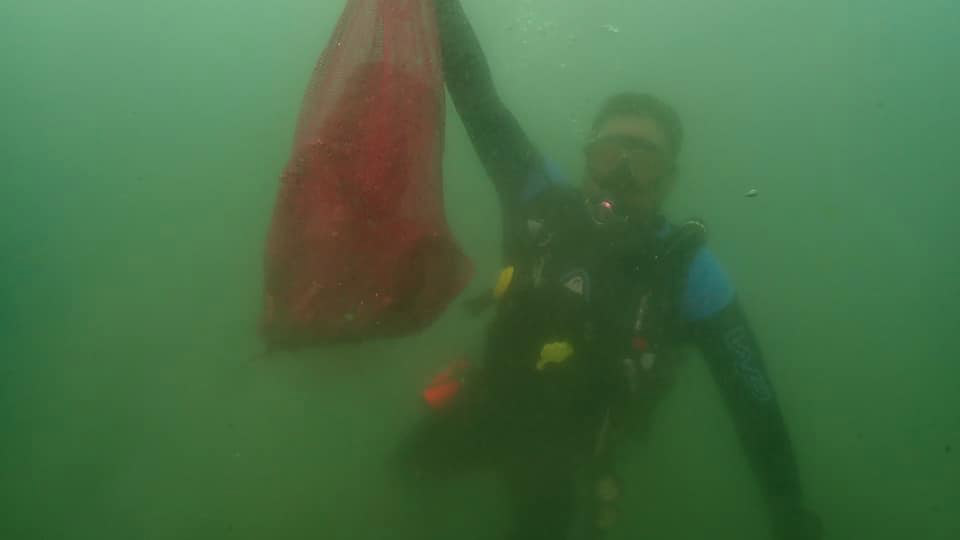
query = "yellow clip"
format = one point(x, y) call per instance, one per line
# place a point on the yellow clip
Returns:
point(554, 353)
point(503, 282)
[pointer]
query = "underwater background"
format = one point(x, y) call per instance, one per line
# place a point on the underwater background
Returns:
point(140, 148)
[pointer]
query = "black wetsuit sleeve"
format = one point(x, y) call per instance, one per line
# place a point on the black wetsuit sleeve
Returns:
point(503, 147)
point(730, 348)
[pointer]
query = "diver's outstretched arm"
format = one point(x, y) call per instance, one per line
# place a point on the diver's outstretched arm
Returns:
point(504, 148)
point(730, 348)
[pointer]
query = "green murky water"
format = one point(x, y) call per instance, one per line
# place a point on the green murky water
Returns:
point(140, 148)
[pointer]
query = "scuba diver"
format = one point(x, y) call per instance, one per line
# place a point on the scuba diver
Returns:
point(598, 294)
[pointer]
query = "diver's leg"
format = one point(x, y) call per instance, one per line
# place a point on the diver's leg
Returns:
point(542, 502)
point(601, 489)
point(452, 440)
point(553, 508)
point(443, 445)
point(598, 508)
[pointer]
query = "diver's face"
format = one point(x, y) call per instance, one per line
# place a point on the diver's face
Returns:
point(630, 158)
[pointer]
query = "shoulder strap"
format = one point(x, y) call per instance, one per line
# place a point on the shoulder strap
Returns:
point(673, 259)
point(684, 241)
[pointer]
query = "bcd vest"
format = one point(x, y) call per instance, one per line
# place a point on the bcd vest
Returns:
point(585, 317)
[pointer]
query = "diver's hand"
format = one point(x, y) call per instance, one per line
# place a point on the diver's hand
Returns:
point(793, 521)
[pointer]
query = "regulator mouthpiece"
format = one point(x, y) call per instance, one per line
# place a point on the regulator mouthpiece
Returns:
point(604, 211)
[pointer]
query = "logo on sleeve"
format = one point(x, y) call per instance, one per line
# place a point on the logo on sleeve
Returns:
point(746, 366)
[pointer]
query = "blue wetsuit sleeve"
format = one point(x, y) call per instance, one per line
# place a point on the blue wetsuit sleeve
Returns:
point(708, 288)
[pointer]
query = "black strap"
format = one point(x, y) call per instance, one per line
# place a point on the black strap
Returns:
point(672, 263)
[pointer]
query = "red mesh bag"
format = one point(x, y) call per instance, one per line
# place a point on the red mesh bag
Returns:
point(359, 246)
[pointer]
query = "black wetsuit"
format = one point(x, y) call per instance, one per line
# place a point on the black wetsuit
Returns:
point(552, 429)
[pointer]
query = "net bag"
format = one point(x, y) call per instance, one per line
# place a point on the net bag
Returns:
point(359, 246)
